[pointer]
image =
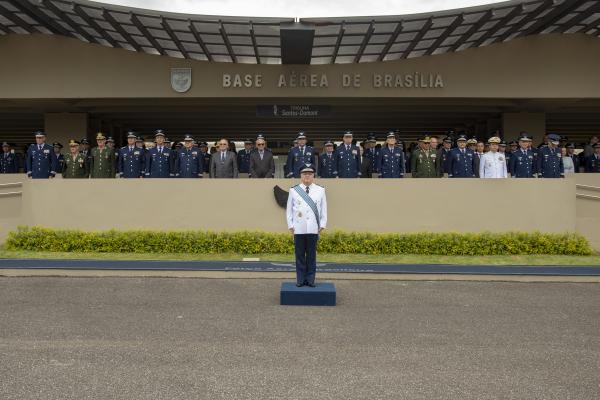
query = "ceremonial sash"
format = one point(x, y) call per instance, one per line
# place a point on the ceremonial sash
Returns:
point(310, 203)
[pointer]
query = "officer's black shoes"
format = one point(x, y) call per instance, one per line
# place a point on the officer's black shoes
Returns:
point(299, 284)
point(310, 284)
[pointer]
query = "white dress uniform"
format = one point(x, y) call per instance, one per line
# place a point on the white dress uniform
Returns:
point(299, 214)
point(493, 165)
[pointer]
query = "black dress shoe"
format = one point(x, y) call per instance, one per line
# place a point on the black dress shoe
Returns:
point(299, 284)
point(310, 284)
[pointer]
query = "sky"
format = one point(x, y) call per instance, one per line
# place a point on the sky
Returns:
point(300, 8)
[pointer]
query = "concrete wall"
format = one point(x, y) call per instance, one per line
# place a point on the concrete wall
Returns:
point(542, 66)
point(61, 127)
point(408, 205)
point(532, 123)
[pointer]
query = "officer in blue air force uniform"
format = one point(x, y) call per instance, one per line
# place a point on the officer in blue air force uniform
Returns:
point(306, 215)
point(371, 153)
point(550, 163)
point(327, 162)
point(522, 162)
point(189, 162)
point(299, 156)
point(592, 162)
point(158, 159)
point(131, 159)
point(347, 158)
point(461, 161)
point(243, 156)
point(390, 162)
point(40, 160)
point(9, 164)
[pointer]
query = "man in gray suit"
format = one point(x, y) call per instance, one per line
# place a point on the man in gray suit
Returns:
point(223, 163)
point(262, 164)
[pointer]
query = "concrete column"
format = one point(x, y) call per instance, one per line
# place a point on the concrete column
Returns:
point(61, 127)
point(533, 123)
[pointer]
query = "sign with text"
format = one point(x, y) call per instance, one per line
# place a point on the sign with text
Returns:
point(292, 111)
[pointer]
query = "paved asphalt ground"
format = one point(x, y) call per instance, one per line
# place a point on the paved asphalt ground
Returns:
point(169, 338)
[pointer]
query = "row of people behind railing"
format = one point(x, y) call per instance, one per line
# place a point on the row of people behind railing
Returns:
point(457, 157)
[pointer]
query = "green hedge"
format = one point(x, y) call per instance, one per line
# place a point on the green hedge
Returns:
point(143, 241)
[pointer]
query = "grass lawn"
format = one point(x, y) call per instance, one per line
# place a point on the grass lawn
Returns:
point(337, 258)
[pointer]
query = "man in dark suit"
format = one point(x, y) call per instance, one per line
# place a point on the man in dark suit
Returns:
point(223, 163)
point(262, 164)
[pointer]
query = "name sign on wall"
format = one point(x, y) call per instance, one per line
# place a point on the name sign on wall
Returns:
point(416, 80)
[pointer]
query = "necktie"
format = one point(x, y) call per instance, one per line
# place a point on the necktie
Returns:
point(307, 190)
point(130, 149)
point(347, 148)
point(261, 155)
point(302, 151)
point(222, 156)
point(39, 147)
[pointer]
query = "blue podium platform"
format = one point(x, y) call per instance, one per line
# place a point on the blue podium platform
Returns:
point(323, 294)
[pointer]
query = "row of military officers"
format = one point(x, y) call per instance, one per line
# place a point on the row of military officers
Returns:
point(134, 161)
point(345, 161)
point(425, 162)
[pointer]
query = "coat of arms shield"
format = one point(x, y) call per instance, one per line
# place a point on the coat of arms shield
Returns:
point(181, 79)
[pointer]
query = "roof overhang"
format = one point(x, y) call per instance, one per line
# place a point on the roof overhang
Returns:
point(258, 40)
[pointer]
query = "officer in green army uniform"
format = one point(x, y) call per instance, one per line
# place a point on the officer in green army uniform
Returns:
point(424, 162)
point(75, 165)
point(102, 159)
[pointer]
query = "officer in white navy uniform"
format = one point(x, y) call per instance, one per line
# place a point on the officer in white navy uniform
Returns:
point(493, 163)
point(306, 218)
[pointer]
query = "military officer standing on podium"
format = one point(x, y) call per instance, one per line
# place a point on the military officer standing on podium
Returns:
point(522, 162)
point(131, 159)
point(243, 157)
point(60, 159)
point(102, 159)
point(158, 159)
point(592, 162)
point(424, 161)
point(390, 162)
point(550, 163)
point(299, 156)
point(306, 217)
point(461, 161)
point(189, 161)
point(444, 155)
point(9, 164)
point(347, 158)
point(493, 163)
point(40, 161)
point(369, 160)
point(75, 163)
point(327, 162)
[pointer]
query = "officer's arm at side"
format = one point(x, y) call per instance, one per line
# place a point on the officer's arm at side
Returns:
point(289, 210)
point(323, 212)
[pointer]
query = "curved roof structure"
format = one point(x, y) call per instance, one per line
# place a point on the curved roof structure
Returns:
point(304, 41)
